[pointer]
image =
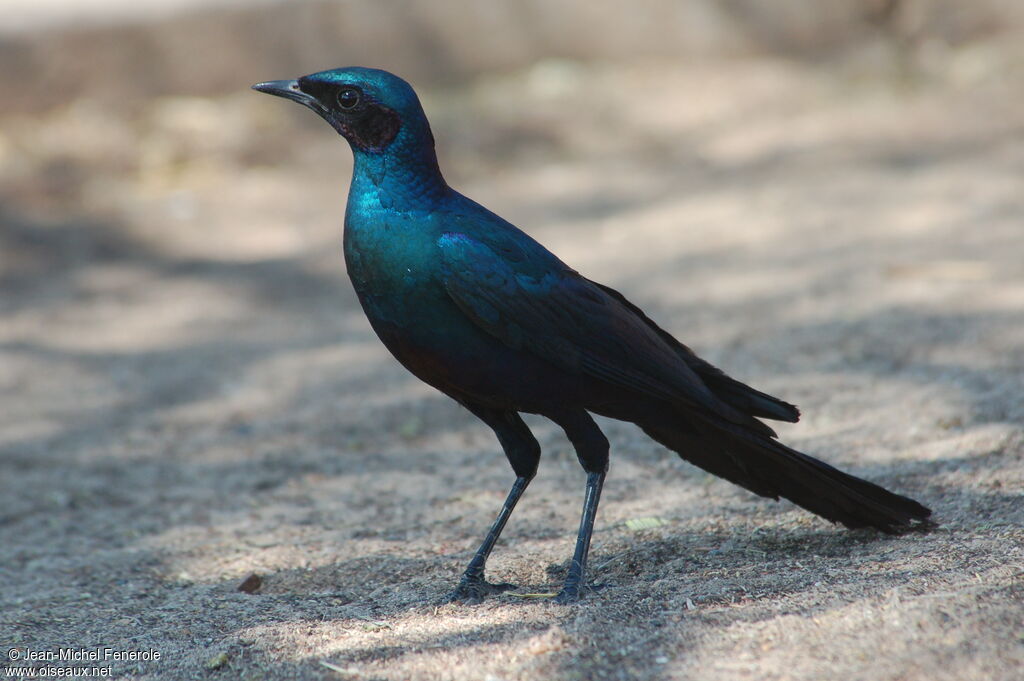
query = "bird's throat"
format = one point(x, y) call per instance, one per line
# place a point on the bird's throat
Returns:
point(401, 179)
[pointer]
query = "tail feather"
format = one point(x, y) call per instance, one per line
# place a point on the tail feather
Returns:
point(742, 396)
point(771, 469)
point(734, 393)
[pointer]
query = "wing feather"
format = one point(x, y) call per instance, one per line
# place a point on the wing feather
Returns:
point(537, 303)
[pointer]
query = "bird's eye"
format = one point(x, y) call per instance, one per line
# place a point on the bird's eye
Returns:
point(348, 98)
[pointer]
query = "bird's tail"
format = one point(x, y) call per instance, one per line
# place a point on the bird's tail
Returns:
point(771, 469)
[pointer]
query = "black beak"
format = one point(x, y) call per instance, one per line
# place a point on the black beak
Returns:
point(289, 89)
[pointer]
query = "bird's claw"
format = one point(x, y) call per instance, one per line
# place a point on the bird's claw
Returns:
point(567, 596)
point(474, 591)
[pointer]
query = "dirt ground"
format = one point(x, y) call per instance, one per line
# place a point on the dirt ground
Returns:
point(190, 394)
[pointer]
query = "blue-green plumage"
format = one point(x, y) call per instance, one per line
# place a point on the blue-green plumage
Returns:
point(478, 309)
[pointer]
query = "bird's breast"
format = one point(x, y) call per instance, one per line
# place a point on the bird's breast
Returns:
point(397, 276)
point(393, 270)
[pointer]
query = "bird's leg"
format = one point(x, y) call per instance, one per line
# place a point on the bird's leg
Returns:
point(572, 590)
point(592, 450)
point(523, 453)
point(473, 587)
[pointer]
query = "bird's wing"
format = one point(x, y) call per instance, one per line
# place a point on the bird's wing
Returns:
point(521, 294)
point(725, 387)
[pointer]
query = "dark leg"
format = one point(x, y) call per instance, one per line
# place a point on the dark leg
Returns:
point(473, 588)
point(573, 588)
point(592, 451)
point(523, 453)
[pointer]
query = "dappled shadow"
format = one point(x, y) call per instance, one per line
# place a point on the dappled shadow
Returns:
point(277, 437)
point(47, 259)
point(728, 576)
point(365, 605)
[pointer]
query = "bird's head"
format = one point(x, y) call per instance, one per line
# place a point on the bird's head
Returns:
point(368, 107)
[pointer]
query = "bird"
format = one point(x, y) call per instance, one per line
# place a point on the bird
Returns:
point(481, 311)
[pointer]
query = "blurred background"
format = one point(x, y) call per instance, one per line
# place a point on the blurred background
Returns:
point(824, 197)
point(149, 199)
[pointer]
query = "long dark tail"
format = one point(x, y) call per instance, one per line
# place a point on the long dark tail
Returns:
point(771, 469)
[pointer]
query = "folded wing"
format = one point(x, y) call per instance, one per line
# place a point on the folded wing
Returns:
point(532, 301)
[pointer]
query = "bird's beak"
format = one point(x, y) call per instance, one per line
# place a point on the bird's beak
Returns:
point(289, 89)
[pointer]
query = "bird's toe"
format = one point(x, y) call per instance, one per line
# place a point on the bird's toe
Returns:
point(473, 591)
point(573, 593)
point(567, 596)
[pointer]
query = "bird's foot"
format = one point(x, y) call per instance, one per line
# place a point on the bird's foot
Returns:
point(574, 592)
point(473, 591)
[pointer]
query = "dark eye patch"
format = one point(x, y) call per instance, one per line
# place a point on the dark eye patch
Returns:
point(367, 123)
point(315, 88)
point(374, 127)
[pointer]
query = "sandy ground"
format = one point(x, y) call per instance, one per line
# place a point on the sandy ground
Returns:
point(190, 394)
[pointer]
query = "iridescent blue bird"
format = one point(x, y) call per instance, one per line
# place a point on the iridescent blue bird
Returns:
point(478, 309)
